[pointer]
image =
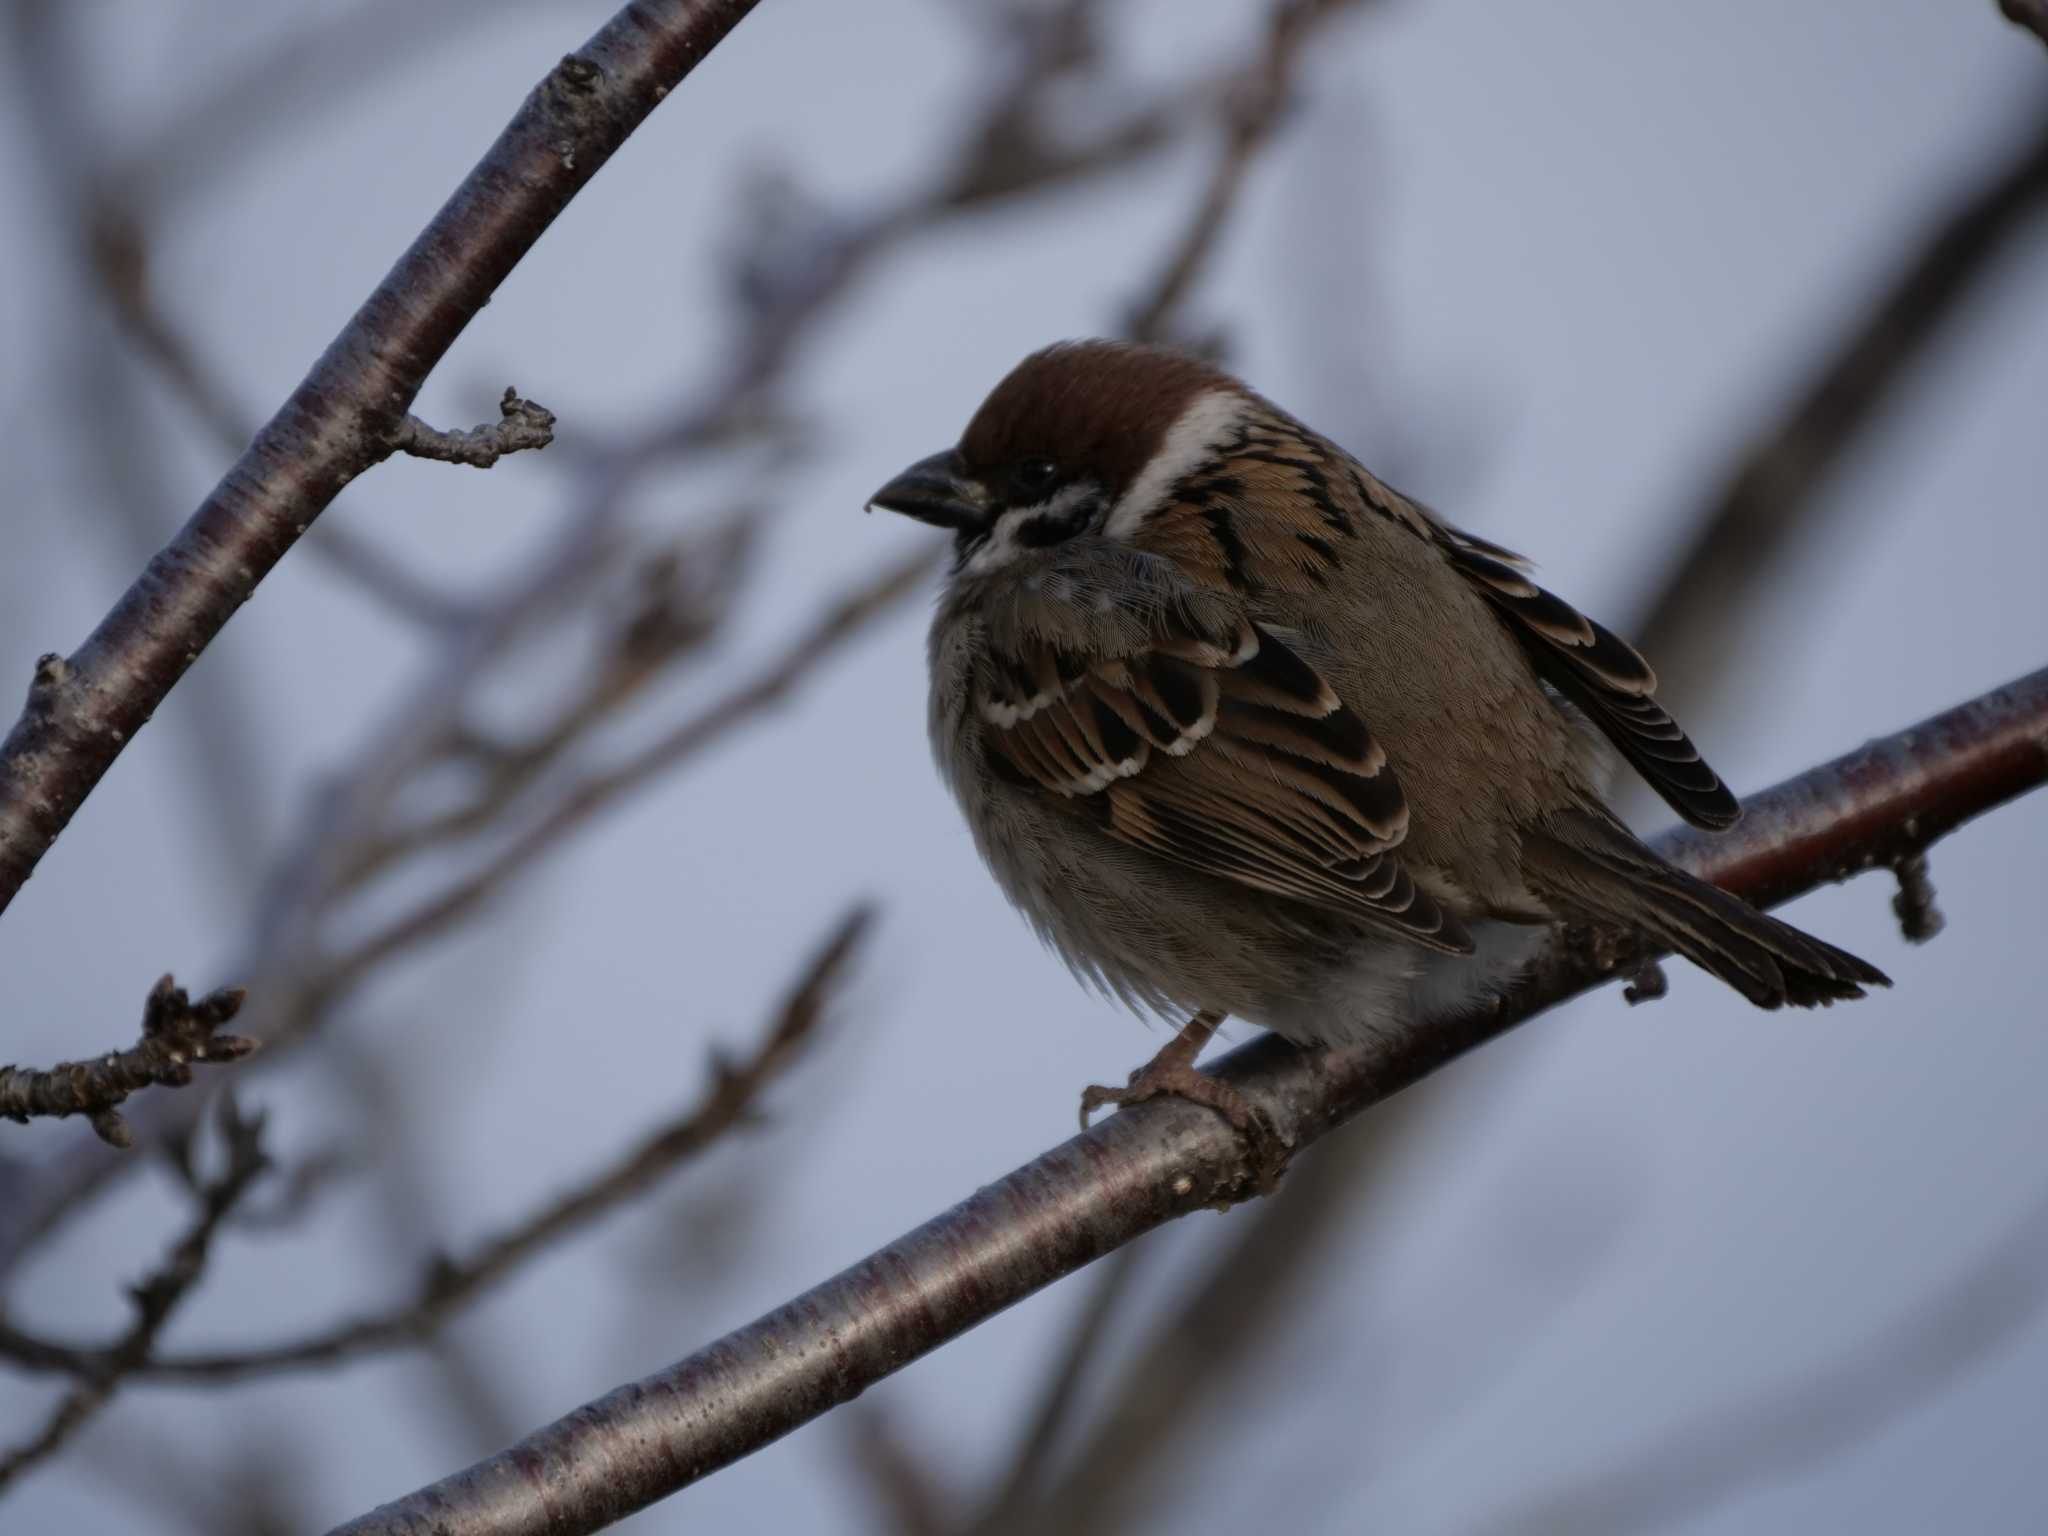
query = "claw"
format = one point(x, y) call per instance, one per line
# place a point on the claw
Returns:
point(1173, 1072)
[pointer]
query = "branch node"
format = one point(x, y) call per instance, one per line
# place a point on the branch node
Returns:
point(1919, 918)
point(176, 1033)
point(521, 425)
point(578, 73)
point(1648, 984)
point(51, 672)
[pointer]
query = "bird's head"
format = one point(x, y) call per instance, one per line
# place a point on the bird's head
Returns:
point(1083, 437)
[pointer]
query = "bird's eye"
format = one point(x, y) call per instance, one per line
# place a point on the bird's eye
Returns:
point(1036, 474)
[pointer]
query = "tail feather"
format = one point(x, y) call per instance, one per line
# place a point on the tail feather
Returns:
point(1594, 867)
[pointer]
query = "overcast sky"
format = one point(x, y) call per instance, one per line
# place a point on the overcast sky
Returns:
point(1554, 263)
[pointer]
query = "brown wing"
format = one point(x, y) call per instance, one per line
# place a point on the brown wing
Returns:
point(1601, 674)
point(1214, 745)
point(1315, 495)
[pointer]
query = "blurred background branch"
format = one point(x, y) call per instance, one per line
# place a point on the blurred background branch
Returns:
point(1773, 498)
point(1809, 1414)
point(533, 705)
point(788, 271)
point(2031, 14)
point(156, 1297)
point(1160, 1160)
point(450, 1284)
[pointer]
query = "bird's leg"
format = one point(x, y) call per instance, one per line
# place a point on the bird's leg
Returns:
point(1172, 1071)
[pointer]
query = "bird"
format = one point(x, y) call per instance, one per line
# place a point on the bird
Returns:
point(1243, 731)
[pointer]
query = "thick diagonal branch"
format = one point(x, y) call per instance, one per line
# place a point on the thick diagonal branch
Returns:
point(1164, 1159)
point(346, 416)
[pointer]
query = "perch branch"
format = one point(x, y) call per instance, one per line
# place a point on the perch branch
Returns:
point(1164, 1159)
point(788, 280)
point(177, 1034)
point(342, 419)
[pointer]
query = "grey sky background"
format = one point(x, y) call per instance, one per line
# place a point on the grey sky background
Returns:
point(1551, 264)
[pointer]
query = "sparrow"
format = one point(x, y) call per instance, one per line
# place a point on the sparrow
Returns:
point(1243, 731)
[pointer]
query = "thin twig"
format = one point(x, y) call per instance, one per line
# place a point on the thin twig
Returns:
point(681, 599)
point(156, 1297)
point(1164, 1159)
point(342, 419)
point(844, 619)
point(121, 264)
point(732, 1098)
point(521, 425)
point(1919, 918)
point(787, 287)
point(177, 1035)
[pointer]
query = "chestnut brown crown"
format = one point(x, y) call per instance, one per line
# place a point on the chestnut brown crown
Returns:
point(1060, 439)
point(1099, 409)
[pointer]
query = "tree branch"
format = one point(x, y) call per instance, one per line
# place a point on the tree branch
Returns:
point(177, 1034)
point(1164, 1159)
point(1773, 490)
point(1806, 1416)
point(2031, 14)
point(728, 1103)
point(847, 615)
point(521, 425)
point(1252, 108)
point(785, 282)
point(344, 418)
point(156, 1297)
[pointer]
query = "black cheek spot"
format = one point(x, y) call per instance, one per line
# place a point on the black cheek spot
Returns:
point(1043, 532)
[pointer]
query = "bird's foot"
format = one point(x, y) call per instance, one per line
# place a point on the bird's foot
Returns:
point(1173, 1072)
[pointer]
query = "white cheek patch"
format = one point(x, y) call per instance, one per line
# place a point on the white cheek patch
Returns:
point(1003, 543)
point(1209, 421)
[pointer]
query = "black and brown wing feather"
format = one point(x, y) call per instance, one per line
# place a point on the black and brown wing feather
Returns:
point(1602, 675)
point(1226, 753)
point(1314, 497)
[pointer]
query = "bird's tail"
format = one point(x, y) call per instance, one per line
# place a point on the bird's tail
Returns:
point(1593, 867)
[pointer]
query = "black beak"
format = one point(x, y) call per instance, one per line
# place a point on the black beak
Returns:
point(936, 490)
